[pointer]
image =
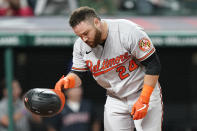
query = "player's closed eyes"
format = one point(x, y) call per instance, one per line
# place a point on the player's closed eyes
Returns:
point(86, 33)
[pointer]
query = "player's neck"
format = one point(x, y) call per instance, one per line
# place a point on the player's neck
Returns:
point(104, 29)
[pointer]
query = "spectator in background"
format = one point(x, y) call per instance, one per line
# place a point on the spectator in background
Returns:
point(15, 8)
point(37, 124)
point(32, 4)
point(101, 6)
point(148, 7)
point(54, 7)
point(153, 7)
point(77, 114)
point(8, 8)
point(25, 9)
point(20, 116)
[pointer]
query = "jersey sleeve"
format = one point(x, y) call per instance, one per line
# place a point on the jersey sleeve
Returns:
point(141, 45)
point(78, 62)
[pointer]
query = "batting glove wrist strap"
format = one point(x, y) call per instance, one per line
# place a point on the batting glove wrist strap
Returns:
point(146, 93)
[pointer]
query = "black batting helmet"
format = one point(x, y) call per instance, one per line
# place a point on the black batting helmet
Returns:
point(44, 102)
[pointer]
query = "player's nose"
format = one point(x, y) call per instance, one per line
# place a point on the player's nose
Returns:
point(84, 38)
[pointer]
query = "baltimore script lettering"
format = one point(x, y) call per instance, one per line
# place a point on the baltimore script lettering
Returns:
point(106, 65)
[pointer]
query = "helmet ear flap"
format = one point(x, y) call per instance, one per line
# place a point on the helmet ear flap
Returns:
point(62, 98)
point(44, 102)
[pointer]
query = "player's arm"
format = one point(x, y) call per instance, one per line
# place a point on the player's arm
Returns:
point(76, 75)
point(153, 67)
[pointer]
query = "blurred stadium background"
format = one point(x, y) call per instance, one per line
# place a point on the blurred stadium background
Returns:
point(36, 48)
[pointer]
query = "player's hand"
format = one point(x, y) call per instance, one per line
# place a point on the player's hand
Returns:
point(65, 82)
point(140, 108)
point(62, 83)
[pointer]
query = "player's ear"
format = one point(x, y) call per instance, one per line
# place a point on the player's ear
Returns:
point(96, 22)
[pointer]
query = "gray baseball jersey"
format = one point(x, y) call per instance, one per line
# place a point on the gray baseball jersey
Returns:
point(116, 65)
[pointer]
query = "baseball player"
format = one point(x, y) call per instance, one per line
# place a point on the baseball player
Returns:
point(122, 60)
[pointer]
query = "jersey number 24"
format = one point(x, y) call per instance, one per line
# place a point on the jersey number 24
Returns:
point(122, 70)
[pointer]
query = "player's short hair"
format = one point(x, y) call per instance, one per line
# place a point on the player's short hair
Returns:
point(82, 14)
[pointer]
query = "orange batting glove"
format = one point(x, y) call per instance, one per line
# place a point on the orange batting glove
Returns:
point(65, 82)
point(140, 108)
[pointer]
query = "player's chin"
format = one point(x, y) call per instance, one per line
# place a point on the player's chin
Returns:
point(92, 45)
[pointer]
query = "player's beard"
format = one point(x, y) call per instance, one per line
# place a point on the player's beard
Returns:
point(97, 38)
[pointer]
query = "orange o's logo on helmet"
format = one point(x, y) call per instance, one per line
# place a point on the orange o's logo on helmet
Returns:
point(26, 99)
point(144, 44)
